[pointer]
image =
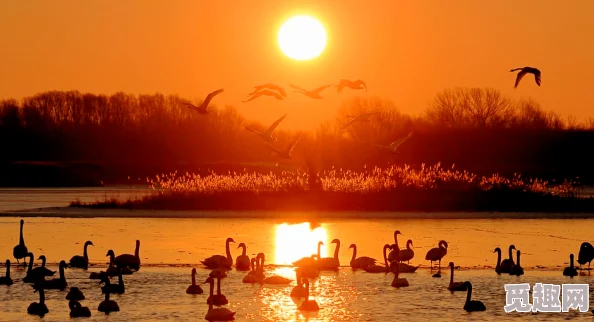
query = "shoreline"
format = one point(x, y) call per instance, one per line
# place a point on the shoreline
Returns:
point(80, 212)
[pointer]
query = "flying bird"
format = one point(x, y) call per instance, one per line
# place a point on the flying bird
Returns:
point(358, 119)
point(269, 86)
point(267, 135)
point(313, 94)
point(524, 71)
point(358, 84)
point(203, 108)
point(266, 93)
point(394, 145)
point(285, 154)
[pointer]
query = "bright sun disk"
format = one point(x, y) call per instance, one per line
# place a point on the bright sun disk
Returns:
point(302, 38)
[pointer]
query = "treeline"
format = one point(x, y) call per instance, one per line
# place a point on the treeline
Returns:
point(476, 129)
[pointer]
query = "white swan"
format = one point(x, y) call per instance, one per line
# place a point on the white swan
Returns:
point(330, 263)
point(394, 145)
point(286, 153)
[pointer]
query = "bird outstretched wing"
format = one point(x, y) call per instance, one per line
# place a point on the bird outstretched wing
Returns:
point(189, 105)
point(251, 130)
point(537, 77)
point(275, 124)
point(210, 96)
point(394, 145)
point(341, 84)
point(519, 78)
point(298, 88)
point(321, 88)
point(292, 146)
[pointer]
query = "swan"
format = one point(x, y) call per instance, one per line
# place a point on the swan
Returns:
point(20, 251)
point(107, 306)
point(253, 276)
point(269, 86)
point(508, 263)
point(81, 261)
point(216, 299)
point(112, 270)
point(194, 288)
point(394, 145)
point(498, 266)
point(203, 108)
point(378, 268)
point(299, 290)
point(360, 262)
point(6, 280)
point(358, 84)
point(77, 310)
point(55, 283)
point(42, 269)
point(436, 254)
point(75, 294)
point(267, 135)
point(330, 263)
point(31, 276)
point(128, 260)
point(308, 305)
point(242, 262)
point(407, 254)
point(570, 271)
point(115, 288)
point(313, 94)
point(40, 308)
point(264, 92)
point(395, 249)
point(398, 282)
point(472, 306)
point(357, 119)
point(220, 261)
point(274, 279)
point(586, 254)
point(524, 71)
point(455, 286)
point(286, 153)
point(309, 261)
point(517, 269)
point(219, 314)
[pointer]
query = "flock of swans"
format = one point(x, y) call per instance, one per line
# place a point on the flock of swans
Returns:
point(306, 268)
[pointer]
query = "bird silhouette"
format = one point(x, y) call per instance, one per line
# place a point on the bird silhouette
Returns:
point(313, 94)
point(267, 135)
point(286, 153)
point(358, 84)
point(265, 92)
point(358, 119)
point(203, 108)
point(524, 71)
point(273, 87)
point(394, 145)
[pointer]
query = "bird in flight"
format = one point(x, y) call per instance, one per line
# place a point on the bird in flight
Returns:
point(524, 71)
point(358, 84)
point(394, 145)
point(273, 87)
point(358, 119)
point(267, 135)
point(313, 94)
point(203, 108)
point(265, 92)
point(286, 153)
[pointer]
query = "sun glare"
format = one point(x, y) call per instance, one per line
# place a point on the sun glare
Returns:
point(297, 241)
point(302, 38)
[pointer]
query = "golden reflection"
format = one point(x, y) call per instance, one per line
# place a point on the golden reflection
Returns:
point(296, 241)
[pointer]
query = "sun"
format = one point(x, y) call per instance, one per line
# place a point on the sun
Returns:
point(302, 38)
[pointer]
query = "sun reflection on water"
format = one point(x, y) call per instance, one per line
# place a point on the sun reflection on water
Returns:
point(295, 241)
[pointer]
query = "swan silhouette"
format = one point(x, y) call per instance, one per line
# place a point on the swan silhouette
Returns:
point(216, 299)
point(524, 71)
point(395, 249)
point(286, 153)
point(358, 84)
point(517, 269)
point(397, 281)
point(436, 254)
point(570, 271)
point(39, 309)
point(254, 275)
point(274, 279)
point(20, 251)
point(274, 87)
point(6, 280)
point(378, 268)
point(455, 286)
point(313, 94)
point(115, 288)
point(498, 266)
point(407, 254)
point(81, 261)
point(55, 283)
point(362, 261)
point(42, 269)
point(77, 310)
point(299, 290)
point(469, 305)
point(220, 261)
point(394, 145)
point(203, 108)
point(107, 306)
point(112, 270)
point(129, 260)
point(194, 288)
point(267, 135)
point(75, 294)
point(308, 305)
point(264, 92)
point(219, 314)
point(508, 263)
point(330, 263)
point(32, 276)
point(586, 254)
point(363, 118)
point(242, 262)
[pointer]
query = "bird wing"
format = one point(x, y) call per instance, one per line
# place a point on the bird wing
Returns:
point(257, 89)
point(273, 149)
point(258, 94)
point(394, 145)
point(251, 130)
point(279, 89)
point(299, 88)
point(341, 84)
point(319, 89)
point(210, 96)
point(537, 77)
point(519, 78)
point(513, 70)
point(351, 122)
point(274, 125)
point(292, 146)
point(190, 105)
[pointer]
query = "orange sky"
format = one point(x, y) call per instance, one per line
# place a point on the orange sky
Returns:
point(406, 51)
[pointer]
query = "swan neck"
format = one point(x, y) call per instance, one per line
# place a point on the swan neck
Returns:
point(571, 262)
point(43, 262)
point(243, 252)
point(319, 250)
point(62, 277)
point(8, 270)
point(498, 258)
point(518, 259)
point(30, 268)
point(228, 252)
point(85, 255)
point(510, 254)
point(193, 279)
point(451, 275)
point(336, 250)
point(386, 258)
point(137, 250)
point(354, 253)
point(120, 277)
point(408, 245)
point(469, 294)
point(21, 238)
point(396, 240)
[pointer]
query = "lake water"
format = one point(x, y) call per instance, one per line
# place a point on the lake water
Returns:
point(170, 247)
